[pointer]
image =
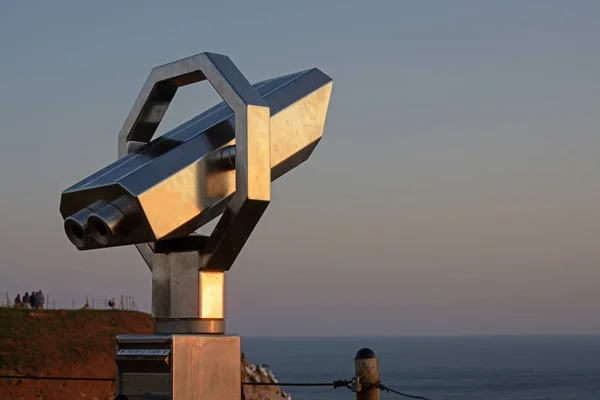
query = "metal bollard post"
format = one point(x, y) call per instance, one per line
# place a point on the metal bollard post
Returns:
point(366, 372)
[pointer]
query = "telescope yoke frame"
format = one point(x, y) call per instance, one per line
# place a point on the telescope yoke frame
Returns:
point(252, 146)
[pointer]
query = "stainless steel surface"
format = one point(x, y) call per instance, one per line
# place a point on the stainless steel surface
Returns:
point(144, 352)
point(198, 326)
point(193, 242)
point(175, 169)
point(175, 285)
point(76, 226)
point(147, 253)
point(206, 367)
point(224, 159)
point(159, 192)
point(124, 339)
point(140, 384)
point(182, 290)
point(112, 220)
point(199, 367)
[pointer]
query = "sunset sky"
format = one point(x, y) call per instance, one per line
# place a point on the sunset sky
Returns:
point(456, 189)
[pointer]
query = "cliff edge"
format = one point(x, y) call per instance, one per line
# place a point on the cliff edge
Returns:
point(81, 343)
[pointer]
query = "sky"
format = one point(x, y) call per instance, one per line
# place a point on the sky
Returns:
point(455, 190)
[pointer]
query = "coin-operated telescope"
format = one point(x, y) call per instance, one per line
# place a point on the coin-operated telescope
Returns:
point(159, 192)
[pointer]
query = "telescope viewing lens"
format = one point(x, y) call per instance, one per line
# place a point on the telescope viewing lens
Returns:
point(75, 228)
point(99, 231)
point(110, 222)
point(100, 228)
point(77, 231)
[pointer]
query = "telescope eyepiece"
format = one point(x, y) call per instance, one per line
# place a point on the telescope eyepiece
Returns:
point(104, 223)
point(111, 222)
point(76, 226)
point(76, 231)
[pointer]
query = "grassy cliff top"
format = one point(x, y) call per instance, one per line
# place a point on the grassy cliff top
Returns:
point(30, 340)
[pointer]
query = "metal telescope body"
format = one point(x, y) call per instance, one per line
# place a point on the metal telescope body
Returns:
point(159, 192)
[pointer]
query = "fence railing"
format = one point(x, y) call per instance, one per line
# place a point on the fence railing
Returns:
point(121, 302)
point(365, 383)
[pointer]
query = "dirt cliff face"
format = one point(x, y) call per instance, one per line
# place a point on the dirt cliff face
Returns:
point(81, 343)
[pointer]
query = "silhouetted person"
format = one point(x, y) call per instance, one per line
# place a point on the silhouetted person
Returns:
point(26, 300)
point(18, 303)
point(40, 300)
point(33, 300)
point(111, 304)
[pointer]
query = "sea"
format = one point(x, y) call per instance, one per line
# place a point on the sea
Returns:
point(440, 368)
